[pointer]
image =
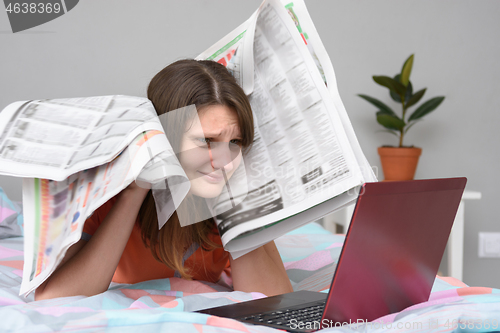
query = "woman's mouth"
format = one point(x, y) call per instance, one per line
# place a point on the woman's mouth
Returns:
point(212, 177)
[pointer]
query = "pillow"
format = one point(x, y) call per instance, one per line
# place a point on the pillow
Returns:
point(11, 218)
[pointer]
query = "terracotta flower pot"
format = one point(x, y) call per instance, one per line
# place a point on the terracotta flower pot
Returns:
point(399, 163)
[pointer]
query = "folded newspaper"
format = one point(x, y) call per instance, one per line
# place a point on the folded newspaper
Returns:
point(305, 162)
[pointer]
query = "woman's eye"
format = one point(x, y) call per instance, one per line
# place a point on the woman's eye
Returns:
point(236, 142)
point(204, 140)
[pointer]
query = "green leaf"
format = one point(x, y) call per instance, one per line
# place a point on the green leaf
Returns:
point(426, 108)
point(406, 71)
point(408, 91)
point(395, 96)
point(416, 98)
point(378, 104)
point(390, 122)
point(390, 83)
point(379, 112)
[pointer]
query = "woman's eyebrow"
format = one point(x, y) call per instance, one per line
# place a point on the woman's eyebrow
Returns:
point(215, 134)
point(212, 134)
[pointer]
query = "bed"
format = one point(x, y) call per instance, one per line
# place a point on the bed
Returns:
point(309, 254)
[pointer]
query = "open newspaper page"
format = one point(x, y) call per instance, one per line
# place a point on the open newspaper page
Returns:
point(76, 154)
point(56, 138)
point(302, 157)
point(300, 16)
point(234, 51)
point(55, 211)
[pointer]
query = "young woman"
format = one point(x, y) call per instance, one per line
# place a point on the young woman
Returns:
point(121, 241)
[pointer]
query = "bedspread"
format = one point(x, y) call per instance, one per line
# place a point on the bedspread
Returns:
point(309, 255)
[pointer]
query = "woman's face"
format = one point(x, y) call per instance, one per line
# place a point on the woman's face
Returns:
point(210, 148)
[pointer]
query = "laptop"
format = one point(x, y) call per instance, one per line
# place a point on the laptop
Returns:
point(390, 258)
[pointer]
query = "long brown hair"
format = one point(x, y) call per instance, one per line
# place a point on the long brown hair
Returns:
point(183, 83)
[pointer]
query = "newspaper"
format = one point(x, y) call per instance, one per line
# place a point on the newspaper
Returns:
point(74, 155)
point(95, 131)
point(305, 158)
point(305, 162)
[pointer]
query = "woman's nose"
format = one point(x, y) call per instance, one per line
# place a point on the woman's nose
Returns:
point(222, 155)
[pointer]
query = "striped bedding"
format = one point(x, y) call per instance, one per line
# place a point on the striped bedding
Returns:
point(309, 254)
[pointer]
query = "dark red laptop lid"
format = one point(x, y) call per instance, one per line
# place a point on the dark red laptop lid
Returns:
point(393, 247)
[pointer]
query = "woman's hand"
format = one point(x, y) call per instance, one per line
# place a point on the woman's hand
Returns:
point(88, 267)
point(261, 270)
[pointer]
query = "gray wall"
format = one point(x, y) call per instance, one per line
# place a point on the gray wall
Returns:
point(116, 46)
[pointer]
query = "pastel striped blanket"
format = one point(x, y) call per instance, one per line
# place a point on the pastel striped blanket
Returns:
point(309, 254)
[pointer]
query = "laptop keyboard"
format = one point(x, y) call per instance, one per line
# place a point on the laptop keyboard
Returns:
point(284, 317)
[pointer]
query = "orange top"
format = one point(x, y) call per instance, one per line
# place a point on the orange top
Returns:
point(137, 264)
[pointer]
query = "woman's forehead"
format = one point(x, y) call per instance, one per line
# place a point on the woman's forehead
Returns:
point(214, 121)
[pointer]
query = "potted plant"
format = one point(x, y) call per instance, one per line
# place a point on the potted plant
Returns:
point(400, 162)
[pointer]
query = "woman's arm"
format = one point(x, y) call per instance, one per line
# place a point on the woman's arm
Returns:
point(261, 270)
point(88, 267)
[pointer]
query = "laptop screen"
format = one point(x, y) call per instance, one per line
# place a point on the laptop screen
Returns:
point(393, 248)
